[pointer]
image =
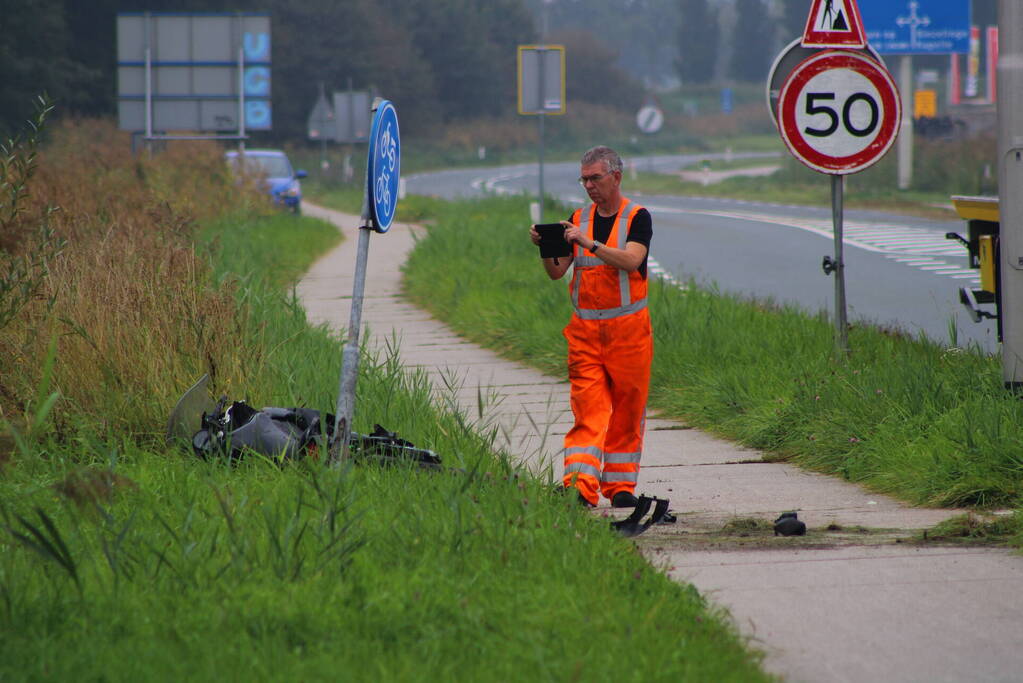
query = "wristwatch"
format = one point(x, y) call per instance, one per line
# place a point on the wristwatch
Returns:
point(596, 245)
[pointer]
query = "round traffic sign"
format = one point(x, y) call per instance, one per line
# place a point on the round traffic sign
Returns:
point(384, 161)
point(789, 58)
point(649, 119)
point(839, 112)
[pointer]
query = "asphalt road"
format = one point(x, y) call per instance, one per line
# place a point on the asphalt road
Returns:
point(901, 272)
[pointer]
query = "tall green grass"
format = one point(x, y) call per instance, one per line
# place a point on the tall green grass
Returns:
point(905, 416)
point(122, 558)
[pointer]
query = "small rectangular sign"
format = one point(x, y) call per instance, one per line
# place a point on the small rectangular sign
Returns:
point(352, 116)
point(541, 77)
point(925, 104)
point(917, 27)
point(320, 125)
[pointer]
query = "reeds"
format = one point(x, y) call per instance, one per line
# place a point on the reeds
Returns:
point(123, 291)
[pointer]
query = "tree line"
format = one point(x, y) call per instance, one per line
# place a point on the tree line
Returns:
point(439, 60)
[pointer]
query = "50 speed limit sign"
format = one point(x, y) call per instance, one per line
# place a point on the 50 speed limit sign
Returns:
point(839, 112)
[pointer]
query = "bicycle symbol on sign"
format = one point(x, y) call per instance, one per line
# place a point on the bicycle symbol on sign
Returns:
point(387, 149)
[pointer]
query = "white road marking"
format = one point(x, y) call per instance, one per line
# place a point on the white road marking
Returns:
point(902, 243)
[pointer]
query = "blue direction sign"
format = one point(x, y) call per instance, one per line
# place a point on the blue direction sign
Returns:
point(384, 161)
point(917, 27)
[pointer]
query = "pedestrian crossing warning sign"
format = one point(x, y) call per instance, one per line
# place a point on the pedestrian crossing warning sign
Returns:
point(834, 23)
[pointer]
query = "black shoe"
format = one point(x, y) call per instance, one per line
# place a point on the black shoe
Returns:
point(624, 499)
point(789, 525)
point(585, 503)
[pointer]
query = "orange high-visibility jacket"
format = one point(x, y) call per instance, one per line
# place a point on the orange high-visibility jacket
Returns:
point(600, 291)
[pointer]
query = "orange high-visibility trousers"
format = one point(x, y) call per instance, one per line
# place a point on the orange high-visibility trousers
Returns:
point(609, 371)
point(610, 349)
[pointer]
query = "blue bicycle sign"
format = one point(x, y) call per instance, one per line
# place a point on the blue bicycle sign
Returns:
point(384, 165)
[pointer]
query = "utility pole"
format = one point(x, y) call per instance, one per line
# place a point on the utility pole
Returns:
point(905, 141)
point(543, 91)
point(1010, 182)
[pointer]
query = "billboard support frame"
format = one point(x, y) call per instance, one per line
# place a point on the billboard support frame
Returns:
point(241, 137)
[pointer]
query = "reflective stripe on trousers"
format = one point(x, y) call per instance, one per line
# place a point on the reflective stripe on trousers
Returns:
point(609, 371)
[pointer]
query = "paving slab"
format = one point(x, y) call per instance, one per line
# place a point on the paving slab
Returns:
point(865, 613)
point(858, 598)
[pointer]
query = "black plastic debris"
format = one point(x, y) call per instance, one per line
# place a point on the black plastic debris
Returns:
point(635, 524)
point(230, 429)
point(386, 447)
point(788, 524)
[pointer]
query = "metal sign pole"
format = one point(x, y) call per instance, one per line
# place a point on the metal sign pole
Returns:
point(241, 100)
point(149, 88)
point(540, 85)
point(350, 133)
point(841, 325)
point(350, 355)
point(1010, 176)
point(323, 133)
point(149, 102)
point(541, 117)
point(905, 144)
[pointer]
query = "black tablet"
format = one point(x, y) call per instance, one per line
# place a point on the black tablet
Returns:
point(552, 240)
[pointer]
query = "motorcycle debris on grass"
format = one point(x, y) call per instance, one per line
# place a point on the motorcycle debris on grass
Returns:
point(229, 429)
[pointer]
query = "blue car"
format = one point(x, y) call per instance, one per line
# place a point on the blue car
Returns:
point(273, 165)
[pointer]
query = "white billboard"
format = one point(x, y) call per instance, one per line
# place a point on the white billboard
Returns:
point(193, 72)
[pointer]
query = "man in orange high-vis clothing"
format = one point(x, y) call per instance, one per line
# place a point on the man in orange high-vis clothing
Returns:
point(610, 341)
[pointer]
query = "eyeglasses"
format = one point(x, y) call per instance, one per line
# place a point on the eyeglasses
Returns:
point(592, 178)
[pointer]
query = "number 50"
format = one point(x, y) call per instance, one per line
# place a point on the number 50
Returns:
point(812, 108)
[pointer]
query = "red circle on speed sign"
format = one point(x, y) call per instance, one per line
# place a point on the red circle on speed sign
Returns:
point(839, 112)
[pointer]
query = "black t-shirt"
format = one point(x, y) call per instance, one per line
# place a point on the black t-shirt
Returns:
point(642, 231)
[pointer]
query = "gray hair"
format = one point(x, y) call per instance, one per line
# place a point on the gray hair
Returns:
point(612, 162)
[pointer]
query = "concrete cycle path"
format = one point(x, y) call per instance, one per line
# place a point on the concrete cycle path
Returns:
point(856, 599)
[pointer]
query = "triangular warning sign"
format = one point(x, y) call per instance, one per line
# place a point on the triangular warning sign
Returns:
point(834, 23)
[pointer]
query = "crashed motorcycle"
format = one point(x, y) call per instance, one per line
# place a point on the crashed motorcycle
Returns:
point(230, 429)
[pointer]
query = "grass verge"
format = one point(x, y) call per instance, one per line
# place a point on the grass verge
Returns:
point(940, 169)
point(123, 559)
point(929, 424)
point(781, 188)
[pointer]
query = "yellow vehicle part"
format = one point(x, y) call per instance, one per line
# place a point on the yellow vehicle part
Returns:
point(987, 264)
point(976, 208)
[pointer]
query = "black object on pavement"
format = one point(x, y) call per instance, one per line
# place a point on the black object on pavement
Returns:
point(788, 524)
